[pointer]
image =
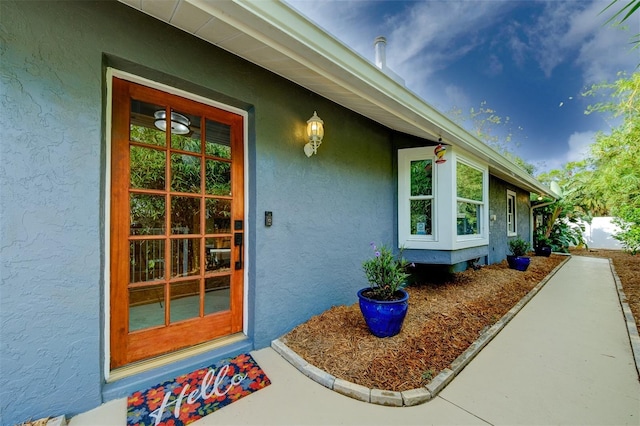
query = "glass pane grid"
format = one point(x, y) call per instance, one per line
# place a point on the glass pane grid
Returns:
point(168, 191)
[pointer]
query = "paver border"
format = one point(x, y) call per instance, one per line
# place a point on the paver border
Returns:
point(632, 327)
point(437, 384)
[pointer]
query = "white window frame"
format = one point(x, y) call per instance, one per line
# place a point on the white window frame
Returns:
point(445, 202)
point(482, 203)
point(512, 217)
point(405, 157)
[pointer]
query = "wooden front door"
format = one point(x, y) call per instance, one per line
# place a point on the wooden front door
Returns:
point(177, 231)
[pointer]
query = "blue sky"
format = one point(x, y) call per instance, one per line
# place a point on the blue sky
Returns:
point(528, 60)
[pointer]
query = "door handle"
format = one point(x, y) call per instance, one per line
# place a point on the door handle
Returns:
point(238, 241)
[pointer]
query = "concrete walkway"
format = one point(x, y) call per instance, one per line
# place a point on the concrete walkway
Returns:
point(564, 359)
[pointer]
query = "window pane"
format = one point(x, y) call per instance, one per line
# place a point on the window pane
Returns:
point(218, 139)
point(146, 307)
point(185, 173)
point(421, 177)
point(142, 125)
point(421, 217)
point(218, 178)
point(218, 219)
point(185, 301)
point(185, 257)
point(468, 219)
point(216, 294)
point(147, 168)
point(185, 132)
point(147, 214)
point(146, 260)
point(185, 215)
point(469, 182)
point(218, 254)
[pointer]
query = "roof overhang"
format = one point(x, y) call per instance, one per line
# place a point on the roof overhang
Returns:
point(274, 36)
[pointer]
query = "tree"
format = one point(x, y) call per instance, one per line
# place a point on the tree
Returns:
point(627, 11)
point(616, 156)
point(494, 130)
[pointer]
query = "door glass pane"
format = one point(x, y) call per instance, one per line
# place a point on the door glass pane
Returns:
point(147, 168)
point(146, 260)
point(218, 178)
point(218, 220)
point(185, 215)
point(421, 217)
point(218, 139)
point(147, 214)
point(185, 301)
point(185, 132)
point(468, 218)
point(218, 254)
point(421, 177)
point(185, 257)
point(185, 173)
point(142, 126)
point(217, 294)
point(468, 182)
point(146, 307)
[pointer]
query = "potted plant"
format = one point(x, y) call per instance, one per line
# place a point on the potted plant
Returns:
point(518, 259)
point(542, 244)
point(384, 303)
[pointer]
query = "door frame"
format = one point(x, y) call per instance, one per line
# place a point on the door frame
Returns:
point(248, 231)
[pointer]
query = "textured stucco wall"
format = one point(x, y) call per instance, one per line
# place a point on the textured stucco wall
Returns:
point(50, 216)
point(498, 240)
point(326, 209)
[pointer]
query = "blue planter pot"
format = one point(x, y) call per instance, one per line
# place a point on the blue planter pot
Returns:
point(519, 263)
point(543, 251)
point(384, 318)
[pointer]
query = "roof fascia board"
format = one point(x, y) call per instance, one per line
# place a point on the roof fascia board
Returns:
point(282, 28)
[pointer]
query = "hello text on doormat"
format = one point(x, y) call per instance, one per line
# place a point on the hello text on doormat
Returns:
point(192, 396)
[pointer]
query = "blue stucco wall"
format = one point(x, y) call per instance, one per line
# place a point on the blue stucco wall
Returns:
point(326, 208)
point(498, 240)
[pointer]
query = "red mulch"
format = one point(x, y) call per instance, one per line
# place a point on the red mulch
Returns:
point(442, 321)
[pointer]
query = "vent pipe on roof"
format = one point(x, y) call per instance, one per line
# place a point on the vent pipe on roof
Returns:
point(380, 45)
point(381, 59)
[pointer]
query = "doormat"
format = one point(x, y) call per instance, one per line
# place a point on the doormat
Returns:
point(192, 396)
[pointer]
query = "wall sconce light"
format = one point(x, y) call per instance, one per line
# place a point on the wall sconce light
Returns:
point(315, 133)
point(179, 123)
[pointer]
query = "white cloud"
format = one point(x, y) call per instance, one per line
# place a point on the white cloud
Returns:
point(579, 144)
point(575, 33)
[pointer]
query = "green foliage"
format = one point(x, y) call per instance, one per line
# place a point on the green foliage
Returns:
point(631, 7)
point(616, 156)
point(494, 130)
point(563, 225)
point(629, 223)
point(518, 246)
point(427, 375)
point(540, 239)
point(385, 273)
point(608, 181)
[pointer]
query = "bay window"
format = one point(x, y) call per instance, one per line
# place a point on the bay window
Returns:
point(441, 206)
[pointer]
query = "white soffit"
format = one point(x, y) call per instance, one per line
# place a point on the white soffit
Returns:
point(272, 35)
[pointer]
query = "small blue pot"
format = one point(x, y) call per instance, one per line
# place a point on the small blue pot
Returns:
point(519, 263)
point(384, 318)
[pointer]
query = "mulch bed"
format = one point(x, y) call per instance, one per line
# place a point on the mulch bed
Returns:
point(442, 321)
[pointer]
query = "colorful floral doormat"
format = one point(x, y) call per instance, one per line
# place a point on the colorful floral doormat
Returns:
point(192, 396)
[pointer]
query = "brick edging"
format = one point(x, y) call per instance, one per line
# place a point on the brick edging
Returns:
point(632, 328)
point(437, 384)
